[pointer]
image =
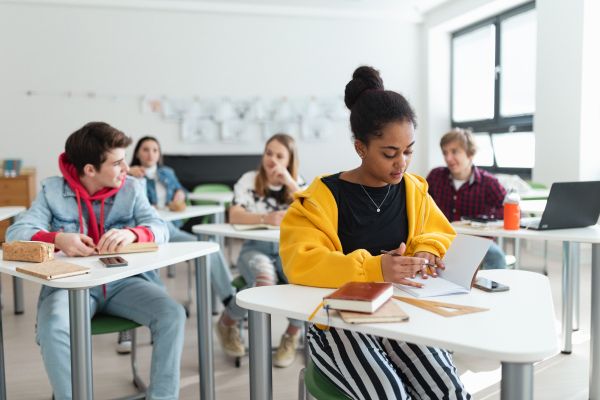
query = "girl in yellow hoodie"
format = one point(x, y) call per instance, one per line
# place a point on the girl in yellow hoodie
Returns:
point(335, 230)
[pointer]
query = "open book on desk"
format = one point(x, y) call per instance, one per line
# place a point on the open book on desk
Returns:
point(462, 261)
point(252, 227)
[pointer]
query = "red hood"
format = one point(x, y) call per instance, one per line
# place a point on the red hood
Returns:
point(70, 174)
point(95, 230)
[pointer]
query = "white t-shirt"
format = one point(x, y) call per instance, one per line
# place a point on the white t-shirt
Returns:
point(245, 196)
point(161, 188)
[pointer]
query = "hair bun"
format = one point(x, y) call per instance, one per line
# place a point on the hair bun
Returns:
point(363, 78)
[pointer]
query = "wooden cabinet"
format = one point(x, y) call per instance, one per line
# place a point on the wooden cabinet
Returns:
point(17, 191)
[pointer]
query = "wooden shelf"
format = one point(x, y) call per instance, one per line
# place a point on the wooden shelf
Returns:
point(17, 191)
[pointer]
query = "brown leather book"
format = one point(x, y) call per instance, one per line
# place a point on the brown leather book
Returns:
point(360, 296)
point(53, 269)
point(388, 312)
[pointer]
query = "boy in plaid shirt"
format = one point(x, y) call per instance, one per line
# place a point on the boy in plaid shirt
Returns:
point(461, 189)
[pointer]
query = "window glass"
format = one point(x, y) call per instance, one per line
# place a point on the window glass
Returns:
point(514, 150)
point(485, 153)
point(517, 55)
point(473, 77)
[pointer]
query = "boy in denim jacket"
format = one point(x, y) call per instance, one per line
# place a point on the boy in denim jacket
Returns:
point(95, 205)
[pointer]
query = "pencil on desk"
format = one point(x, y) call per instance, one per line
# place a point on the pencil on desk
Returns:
point(391, 253)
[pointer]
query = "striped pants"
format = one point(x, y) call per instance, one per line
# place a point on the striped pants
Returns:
point(371, 367)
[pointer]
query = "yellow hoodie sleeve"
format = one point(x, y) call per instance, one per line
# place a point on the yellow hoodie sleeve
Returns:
point(311, 251)
point(433, 234)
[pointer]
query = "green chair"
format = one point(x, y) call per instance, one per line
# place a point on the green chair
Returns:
point(316, 384)
point(102, 324)
point(209, 187)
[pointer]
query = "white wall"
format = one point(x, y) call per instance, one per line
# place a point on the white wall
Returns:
point(128, 53)
point(567, 120)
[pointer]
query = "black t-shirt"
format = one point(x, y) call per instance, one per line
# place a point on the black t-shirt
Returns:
point(360, 226)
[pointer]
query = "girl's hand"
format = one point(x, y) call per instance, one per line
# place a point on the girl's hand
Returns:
point(280, 175)
point(274, 218)
point(114, 240)
point(179, 196)
point(138, 171)
point(396, 269)
point(432, 259)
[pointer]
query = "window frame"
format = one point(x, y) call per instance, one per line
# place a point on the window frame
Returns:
point(498, 124)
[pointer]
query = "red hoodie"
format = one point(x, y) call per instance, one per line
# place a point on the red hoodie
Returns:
point(95, 230)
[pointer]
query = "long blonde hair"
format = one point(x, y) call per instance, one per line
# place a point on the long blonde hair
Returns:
point(261, 183)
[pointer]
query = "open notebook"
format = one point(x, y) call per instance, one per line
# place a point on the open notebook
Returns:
point(462, 261)
point(253, 227)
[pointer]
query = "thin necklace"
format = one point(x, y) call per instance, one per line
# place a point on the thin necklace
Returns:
point(363, 188)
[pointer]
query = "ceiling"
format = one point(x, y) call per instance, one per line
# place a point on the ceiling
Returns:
point(409, 10)
point(420, 6)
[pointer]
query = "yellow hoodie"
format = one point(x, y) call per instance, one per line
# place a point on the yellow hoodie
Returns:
point(311, 250)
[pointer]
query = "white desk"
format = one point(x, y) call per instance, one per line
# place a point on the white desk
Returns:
point(190, 212)
point(535, 194)
point(516, 335)
point(5, 213)
point(79, 306)
point(227, 230)
point(9, 212)
point(570, 239)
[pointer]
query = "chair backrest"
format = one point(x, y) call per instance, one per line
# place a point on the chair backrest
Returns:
point(319, 387)
point(210, 187)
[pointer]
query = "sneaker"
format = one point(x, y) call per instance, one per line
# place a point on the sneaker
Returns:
point(286, 353)
point(230, 340)
point(124, 343)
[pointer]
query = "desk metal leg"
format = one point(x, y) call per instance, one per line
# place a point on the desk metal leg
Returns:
point(261, 373)
point(2, 366)
point(81, 344)
point(518, 253)
point(595, 325)
point(567, 300)
point(306, 346)
point(203, 311)
point(18, 295)
point(517, 381)
point(576, 266)
point(219, 219)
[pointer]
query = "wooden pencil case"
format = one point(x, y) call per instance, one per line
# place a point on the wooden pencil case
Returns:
point(28, 251)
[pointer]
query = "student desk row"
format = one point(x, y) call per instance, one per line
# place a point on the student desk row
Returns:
point(527, 349)
point(79, 306)
point(570, 238)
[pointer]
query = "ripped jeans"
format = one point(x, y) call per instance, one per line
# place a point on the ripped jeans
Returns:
point(259, 262)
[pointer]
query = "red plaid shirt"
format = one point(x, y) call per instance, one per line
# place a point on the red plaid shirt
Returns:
point(482, 194)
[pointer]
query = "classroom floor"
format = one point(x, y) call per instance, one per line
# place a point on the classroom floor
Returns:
point(559, 377)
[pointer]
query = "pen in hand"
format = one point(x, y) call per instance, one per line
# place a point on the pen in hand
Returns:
point(391, 253)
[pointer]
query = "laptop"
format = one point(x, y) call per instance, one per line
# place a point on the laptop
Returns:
point(570, 205)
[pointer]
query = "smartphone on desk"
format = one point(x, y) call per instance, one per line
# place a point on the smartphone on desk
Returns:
point(488, 285)
point(113, 261)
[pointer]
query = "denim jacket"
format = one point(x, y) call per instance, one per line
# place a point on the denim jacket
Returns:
point(167, 176)
point(55, 209)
